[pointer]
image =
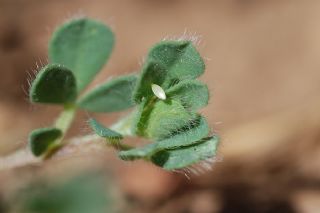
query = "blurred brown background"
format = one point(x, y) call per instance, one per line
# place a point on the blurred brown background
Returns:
point(263, 70)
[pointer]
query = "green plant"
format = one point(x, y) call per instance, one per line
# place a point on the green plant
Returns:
point(80, 194)
point(166, 96)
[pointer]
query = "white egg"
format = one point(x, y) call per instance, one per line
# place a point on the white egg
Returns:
point(158, 91)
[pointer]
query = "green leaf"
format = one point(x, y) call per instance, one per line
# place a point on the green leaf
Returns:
point(41, 140)
point(186, 156)
point(169, 62)
point(54, 84)
point(83, 45)
point(186, 136)
point(180, 58)
point(81, 194)
point(112, 96)
point(152, 73)
point(162, 118)
point(192, 93)
point(102, 131)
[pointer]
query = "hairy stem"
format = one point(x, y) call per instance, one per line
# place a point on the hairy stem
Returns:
point(23, 157)
point(75, 146)
point(65, 119)
point(63, 123)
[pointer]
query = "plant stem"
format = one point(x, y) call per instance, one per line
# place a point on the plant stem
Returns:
point(75, 146)
point(82, 144)
point(65, 119)
point(124, 125)
point(63, 123)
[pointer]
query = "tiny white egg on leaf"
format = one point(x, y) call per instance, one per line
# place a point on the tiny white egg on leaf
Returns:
point(158, 91)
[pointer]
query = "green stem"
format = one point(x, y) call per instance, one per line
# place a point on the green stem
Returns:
point(63, 123)
point(124, 125)
point(66, 117)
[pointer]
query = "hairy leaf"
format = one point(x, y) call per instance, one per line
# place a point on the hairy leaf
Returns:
point(169, 62)
point(162, 118)
point(40, 140)
point(114, 95)
point(186, 156)
point(54, 84)
point(102, 131)
point(83, 45)
point(152, 73)
point(180, 58)
point(192, 93)
point(186, 136)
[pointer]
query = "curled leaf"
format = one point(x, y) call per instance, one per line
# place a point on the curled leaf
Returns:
point(186, 156)
point(162, 118)
point(186, 136)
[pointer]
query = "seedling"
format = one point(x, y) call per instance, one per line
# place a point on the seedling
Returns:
point(165, 97)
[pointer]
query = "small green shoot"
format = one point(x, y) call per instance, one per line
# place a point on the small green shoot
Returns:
point(165, 95)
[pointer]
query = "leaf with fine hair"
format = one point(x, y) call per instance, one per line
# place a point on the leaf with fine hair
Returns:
point(54, 84)
point(152, 73)
point(180, 58)
point(186, 136)
point(169, 62)
point(83, 45)
point(162, 118)
point(193, 94)
point(186, 156)
point(102, 131)
point(114, 95)
point(41, 140)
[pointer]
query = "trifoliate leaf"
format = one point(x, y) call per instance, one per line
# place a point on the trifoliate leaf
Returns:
point(186, 156)
point(192, 93)
point(186, 136)
point(83, 45)
point(40, 140)
point(102, 131)
point(54, 84)
point(114, 95)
